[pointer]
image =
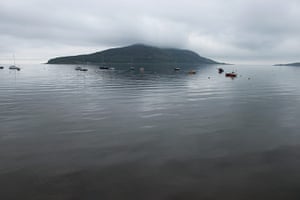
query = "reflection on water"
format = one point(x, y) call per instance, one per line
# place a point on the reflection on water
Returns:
point(159, 134)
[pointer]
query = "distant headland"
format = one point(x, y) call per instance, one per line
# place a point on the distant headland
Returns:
point(138, 53)
point(297, 64)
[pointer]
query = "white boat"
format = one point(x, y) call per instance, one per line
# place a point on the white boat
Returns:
point(14, 67)
point(107, 68)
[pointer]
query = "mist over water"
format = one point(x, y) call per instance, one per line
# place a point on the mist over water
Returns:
point(160, 134)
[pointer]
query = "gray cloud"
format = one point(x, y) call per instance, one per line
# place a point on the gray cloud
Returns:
point(231, 31)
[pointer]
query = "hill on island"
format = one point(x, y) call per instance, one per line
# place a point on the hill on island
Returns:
point(136, 54)
point(297, 64)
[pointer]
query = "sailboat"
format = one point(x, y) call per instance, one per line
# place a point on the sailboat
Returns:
point(14, 67)
point(104, 66)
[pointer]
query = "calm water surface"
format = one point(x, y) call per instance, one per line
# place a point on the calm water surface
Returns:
point(160, 134)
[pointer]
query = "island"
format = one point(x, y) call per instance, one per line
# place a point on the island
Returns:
point(297, 64)
point(138, 53)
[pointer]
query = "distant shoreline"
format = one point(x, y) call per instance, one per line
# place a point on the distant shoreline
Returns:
point(297, 64)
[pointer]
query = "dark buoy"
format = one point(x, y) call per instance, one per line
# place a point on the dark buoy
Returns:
point(221, 70)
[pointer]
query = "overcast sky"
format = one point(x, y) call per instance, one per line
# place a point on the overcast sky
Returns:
point(235, 31)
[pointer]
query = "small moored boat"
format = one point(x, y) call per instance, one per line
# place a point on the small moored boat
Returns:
point(13, 67)
point(232, 75)
point(176, 69)
point(1, 67)
point(192, 72)
point(103, 67)
point(83, 69)
point(78, 68)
